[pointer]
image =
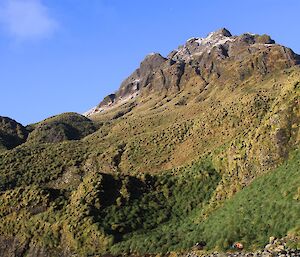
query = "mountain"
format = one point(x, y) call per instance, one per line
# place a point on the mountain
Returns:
point(201, 145)
point(220, 56)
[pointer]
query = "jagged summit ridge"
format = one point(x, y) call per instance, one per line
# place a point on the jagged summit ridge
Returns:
point(207, 59)
point(129, 88)
point(198, 45)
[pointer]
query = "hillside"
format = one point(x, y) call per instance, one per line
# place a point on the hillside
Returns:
point(12, 133)
point(67, 126)
point(201, 145)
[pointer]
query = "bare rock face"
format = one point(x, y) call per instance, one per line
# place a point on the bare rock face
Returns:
point(140, 77)
point(108, 100)
point(131, 86)
point(198, 46)
point(219, 56)
point(150, 64)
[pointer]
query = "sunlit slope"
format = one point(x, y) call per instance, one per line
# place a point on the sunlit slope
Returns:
point(191, 147)
point(152, 214)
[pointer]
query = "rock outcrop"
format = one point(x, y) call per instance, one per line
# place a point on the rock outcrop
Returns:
point(219, 56)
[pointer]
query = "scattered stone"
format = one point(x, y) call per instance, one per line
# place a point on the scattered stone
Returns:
point(275, 248)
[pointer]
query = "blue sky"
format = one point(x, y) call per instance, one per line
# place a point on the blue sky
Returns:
point(66, 55)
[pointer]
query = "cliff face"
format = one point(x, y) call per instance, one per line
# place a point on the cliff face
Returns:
point(220, 56)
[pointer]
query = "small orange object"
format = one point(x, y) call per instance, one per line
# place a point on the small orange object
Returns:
point(238, 246)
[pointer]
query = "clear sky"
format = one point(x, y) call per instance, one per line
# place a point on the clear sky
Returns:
point(66, 55)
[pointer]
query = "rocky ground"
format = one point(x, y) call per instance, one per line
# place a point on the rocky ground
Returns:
point(276, 247)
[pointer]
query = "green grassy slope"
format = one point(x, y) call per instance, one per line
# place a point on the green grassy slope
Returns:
point(268, 207)
point(153, 214)
point(66, 126)
point(92, 195)
point(103, 210)
point(173, 166)
point(244, 137)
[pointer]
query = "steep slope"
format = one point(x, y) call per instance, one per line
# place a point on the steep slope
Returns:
point(12, 133)
point(181, 137)
point(238, 80)
point(251, 216)
point(220, 57)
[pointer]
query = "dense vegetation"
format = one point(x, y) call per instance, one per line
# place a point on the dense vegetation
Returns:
point(107, 207)
point(12, 133)
point(152, 214)
point(251, 217)
point(207, 151)
point(94, 195)
point(268, 207)
point(67, 126)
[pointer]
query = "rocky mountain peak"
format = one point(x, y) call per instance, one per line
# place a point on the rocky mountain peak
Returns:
point(198, 46)
point(130, 87)
point(223, 32)
point(205, 59)
point(150, 63)
point(152, 56)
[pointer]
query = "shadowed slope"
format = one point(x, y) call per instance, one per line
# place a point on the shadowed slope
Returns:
point(12, 133)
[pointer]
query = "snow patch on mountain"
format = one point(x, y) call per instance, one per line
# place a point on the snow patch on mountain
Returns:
point(197, 46)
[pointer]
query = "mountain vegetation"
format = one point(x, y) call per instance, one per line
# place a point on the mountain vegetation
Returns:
point(12, 133)
point(67, 126)
point(198, 146)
